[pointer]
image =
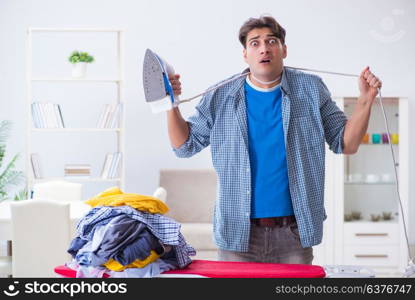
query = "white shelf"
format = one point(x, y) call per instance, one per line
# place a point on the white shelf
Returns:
point(370, 183)
point(394, 221)
point(76, 129)
point(378, 145)
point(84, 29)
point(116, 78)
point(88, 179)
point(86, 80)
point(367, 236)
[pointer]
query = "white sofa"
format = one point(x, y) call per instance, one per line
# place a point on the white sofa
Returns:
point(191, 195)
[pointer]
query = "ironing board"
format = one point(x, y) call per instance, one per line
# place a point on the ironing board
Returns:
point(226, 269)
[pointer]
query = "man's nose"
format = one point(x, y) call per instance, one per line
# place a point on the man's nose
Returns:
point(264, 48)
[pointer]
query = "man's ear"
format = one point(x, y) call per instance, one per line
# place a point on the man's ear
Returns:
point(284, 51)
point(244, 55)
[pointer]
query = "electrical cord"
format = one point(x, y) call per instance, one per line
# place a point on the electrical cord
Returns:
point(410, 270)
point(247, 73)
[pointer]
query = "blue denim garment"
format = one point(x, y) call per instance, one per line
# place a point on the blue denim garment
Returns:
point(139, 249)
point(84, 255)
point(76, 244)
point(310, 118)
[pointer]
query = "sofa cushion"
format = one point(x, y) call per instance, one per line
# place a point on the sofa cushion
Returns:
point(199, 235)
point(191, 194)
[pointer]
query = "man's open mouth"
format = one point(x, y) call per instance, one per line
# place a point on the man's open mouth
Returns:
point(264, 61)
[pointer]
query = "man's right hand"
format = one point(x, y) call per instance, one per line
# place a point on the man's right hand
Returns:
point(176, 84)
point(177, 126)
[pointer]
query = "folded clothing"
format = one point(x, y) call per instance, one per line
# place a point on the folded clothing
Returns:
point(115, 197)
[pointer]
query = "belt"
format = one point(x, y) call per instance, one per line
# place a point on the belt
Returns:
point(274, 222)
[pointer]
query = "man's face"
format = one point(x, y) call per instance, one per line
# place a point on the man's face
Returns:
point(264, 53)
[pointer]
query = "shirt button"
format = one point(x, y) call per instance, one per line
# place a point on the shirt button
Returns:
point(247, 214)
point(248, 192)
point(247, 169)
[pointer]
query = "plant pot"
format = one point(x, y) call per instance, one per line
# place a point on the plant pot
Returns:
point(79, 70)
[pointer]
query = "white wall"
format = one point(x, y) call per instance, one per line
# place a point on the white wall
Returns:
point(199, 38)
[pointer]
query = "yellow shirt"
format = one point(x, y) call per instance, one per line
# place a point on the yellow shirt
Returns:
point(115, 197)
point(114, 265)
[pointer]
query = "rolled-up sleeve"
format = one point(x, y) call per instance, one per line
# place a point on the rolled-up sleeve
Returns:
point(334, 120)
point(200, 126)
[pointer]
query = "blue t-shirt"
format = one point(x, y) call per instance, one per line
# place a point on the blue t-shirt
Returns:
point(270, 191)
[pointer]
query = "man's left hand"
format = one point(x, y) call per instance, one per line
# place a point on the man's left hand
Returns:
point(368, 85)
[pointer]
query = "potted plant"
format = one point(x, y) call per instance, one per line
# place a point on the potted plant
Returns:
point(79, 61)
point(8, 175)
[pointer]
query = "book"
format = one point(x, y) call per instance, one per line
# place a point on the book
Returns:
point(77, 170)
point(116, 116)
point(37, 172)
point(114, 157)
point(101, 119)
point(77, 174)
point(107, 164)
point(108, 117)
point(114, 165)
point(35, 116)
point(117, 165)
point(58, 113)
point(41, 122)
point(39, 115)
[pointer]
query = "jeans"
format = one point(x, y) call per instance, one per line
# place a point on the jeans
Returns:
point(280, 244)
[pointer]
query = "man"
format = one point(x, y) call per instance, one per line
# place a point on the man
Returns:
point(267, 133)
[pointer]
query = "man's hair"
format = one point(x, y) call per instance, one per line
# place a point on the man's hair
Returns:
point(261, 22)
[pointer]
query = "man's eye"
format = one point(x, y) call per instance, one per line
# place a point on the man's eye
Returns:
point(254, 44)
point(271, 42)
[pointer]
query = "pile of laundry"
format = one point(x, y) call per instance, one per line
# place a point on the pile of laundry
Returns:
point(127, 235)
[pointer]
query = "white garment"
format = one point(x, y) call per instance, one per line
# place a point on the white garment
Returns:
point(153, 269)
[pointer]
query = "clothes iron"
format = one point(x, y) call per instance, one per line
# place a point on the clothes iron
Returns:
point(157, 88)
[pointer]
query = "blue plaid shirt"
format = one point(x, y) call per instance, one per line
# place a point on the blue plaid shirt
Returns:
point(310, 118)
